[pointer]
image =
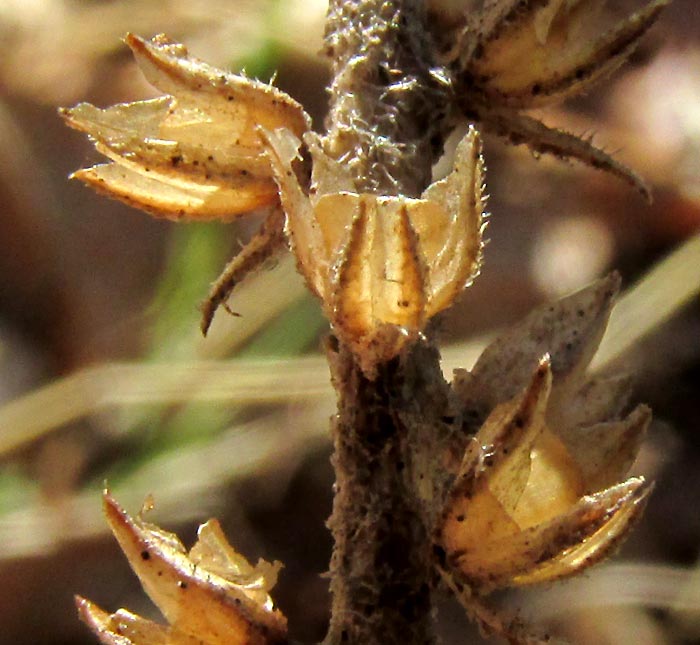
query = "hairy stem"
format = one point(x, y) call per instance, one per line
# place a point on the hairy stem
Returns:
point(386, 123)
point(381, 561)
point(382, 566)
point(388, 98)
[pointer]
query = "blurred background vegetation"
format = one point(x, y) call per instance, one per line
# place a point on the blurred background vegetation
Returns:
point(104, 376)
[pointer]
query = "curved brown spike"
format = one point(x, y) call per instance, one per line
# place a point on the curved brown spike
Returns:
point(520, 129)
point(263, 245)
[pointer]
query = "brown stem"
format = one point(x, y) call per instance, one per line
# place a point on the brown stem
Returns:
point(391, 437)
point(388, 97)
point(387, 124)
point(381, 562)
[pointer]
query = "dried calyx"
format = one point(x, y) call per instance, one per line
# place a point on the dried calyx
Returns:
point(194, 153)
point(528, 495)
point(537, 494)
point(382, 266)
point(210, 595)
point(523, 54)
point(223, 145)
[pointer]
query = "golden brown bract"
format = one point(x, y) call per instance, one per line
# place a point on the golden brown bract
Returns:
point(222, 145)
point(538, 495)
point(383, 266)
point(535, 494)
point(195, 153)
point(522, 54)
point(210, 595)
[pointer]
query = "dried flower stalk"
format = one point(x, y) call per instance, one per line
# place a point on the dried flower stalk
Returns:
point(509, 476)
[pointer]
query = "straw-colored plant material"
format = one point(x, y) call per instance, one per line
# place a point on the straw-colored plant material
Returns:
point(540, 493)
point(515, 56)
point(382, 266)
point(195, 152)
point(95, 389)
point(209, 594)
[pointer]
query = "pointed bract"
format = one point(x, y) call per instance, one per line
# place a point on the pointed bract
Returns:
point(195, 153)
point(628, 503)
point(382, 265)
point(211, 594)
point(537, 496)
point(520, 54)
point(601, 398)
point(605, 452)
point(246, 102)
point(569, 330)
point(125, 628)
point(517, 128)
point(535, 52)
point(516, 559)
point(451, 228)
point(263, 245)
point(495, 471)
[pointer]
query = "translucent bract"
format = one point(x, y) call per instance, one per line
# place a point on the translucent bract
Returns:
point(382, 266)
point(210, 595)
point(195, 153)
point(537, 496)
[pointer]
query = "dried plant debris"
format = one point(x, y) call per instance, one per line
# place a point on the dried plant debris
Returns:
point(195, 153)
point(382, 265)
point(209, 596)
point(538, 495)
point(530, 487)
point(222, 145)
point(522, 54)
